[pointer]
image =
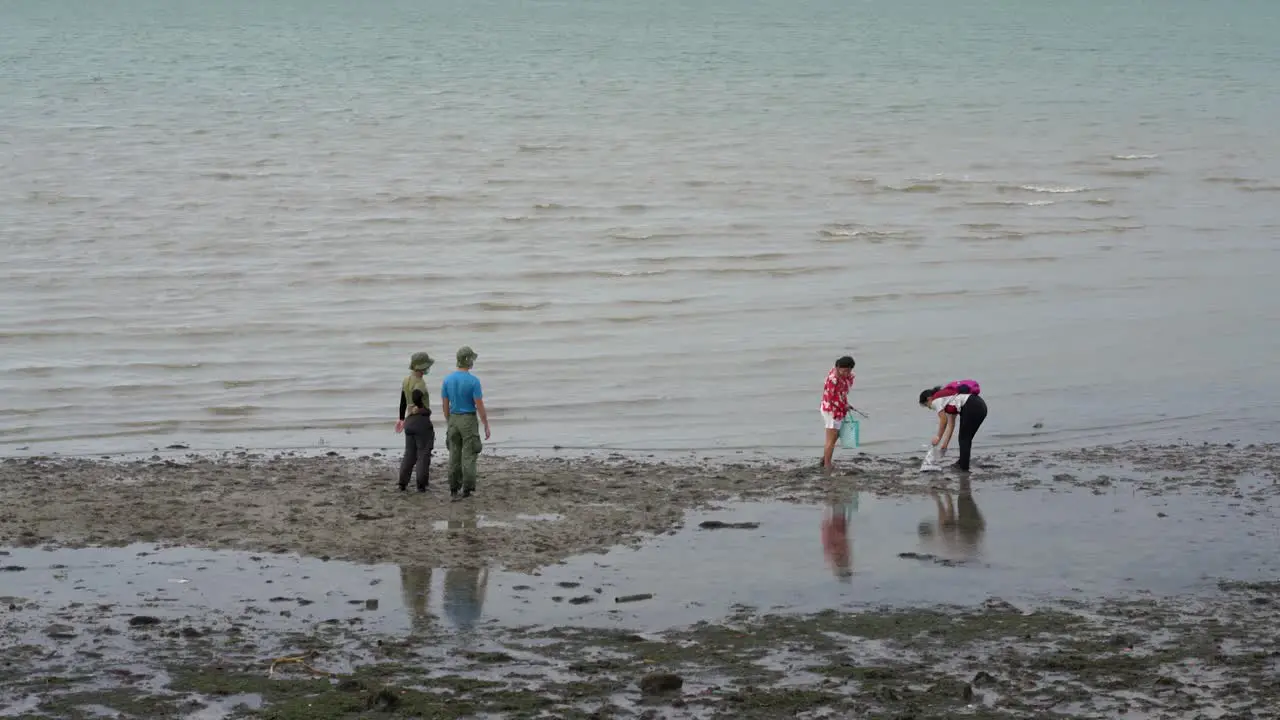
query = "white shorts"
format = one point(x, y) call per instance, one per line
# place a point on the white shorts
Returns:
point(829, 422)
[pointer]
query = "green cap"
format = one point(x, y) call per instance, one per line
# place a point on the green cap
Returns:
point(466, 356)
point(421, 361)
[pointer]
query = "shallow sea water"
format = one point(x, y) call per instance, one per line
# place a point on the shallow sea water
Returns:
point(658, 223)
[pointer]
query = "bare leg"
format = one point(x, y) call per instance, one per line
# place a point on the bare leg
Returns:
point(829, 449)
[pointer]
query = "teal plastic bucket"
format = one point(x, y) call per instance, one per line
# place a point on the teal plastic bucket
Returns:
point(849, 432)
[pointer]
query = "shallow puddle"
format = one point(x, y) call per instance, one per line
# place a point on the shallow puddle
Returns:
point(953, 548)
point(481, 521)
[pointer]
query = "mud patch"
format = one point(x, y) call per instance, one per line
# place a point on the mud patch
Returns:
point(1214, 655)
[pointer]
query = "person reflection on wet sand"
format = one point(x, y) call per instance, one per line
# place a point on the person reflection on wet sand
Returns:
point(465, 583)
point(415, 588)
point(836, 545)
point(960, 525)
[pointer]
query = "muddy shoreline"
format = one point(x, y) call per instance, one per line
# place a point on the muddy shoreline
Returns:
point(1213, 656)
point(348, 507)
point(286, 646)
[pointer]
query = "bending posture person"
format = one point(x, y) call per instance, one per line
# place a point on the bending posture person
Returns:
point(956, 402)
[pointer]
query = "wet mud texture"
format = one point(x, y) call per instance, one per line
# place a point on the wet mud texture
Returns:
point(349, 508)
point(1211, 656)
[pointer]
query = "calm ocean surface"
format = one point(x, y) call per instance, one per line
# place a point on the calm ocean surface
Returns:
point(658, 222)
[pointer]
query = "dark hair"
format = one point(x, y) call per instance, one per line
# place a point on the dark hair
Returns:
point(926, 394)
point(845, 362)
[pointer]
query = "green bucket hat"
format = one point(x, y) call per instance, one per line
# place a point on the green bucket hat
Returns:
point(466, 356)
point(421, 361)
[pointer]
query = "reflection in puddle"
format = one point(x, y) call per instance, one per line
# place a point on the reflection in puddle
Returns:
point(957, 532)
point(462, 599)
point(481, 521)
point(836, 546)
point(1028, 545)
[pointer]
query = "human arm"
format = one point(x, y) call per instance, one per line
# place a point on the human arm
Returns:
point(484, 416)
point(403, 405)
point(942, 427)
point(444, 405)
point(477, 396)
point(951, 428)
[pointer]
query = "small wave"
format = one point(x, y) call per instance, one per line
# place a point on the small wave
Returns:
point(435, 199)
point(919, 187)
point(43, 334)
point(774, 272)
point(1230, 180)
point(53, 197)
point(572, 274)
point(982, 226)
point(491, 306)
point(33, 412)
point(633, 208)
point(1011, 203)
point(233, 410)
point(225, 176)
point(644, 237)
point(537, 148)
point(1013, 290)
point(1139, 174)
point(1151, 156)
point(1260, 188)
point(257, 382)
point(761, 257)
point(1002, 235)
point(1052, 189)
point(856, 232)
point(645, 303)
point(1029, 259)
point(388, 278)
point(1101, 201)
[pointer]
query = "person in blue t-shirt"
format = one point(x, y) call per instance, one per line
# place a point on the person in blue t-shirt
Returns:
point(464, 413)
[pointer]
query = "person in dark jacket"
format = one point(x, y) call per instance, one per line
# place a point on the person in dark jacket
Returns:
point(415, 423)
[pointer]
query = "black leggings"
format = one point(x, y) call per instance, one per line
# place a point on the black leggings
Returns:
point(972, 413)
point(419, 442)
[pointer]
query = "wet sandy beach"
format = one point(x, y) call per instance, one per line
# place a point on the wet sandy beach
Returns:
point(348, 508)
point(1129, 581)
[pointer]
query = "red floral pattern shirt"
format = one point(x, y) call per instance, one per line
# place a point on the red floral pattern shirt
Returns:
point(835, 394)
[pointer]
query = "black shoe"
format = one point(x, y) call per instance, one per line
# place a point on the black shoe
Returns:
point(956, 467)
point(466, 494)
point(404, 487)
point(453, 494)
point(422, 488)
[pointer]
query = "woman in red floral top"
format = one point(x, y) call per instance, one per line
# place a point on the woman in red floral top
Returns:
point(835, 404)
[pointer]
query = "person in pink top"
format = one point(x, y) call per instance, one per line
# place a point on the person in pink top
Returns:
point(835, 405)
point(961, 399)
